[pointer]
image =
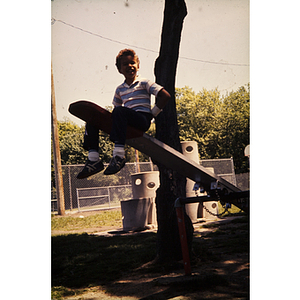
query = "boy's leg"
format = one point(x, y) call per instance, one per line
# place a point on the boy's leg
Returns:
point(91, 143)
point(121, 117)
point(91, 138)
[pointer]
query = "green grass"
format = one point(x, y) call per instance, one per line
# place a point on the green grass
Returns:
point(105, 218)
point(233, 210)
point(58, 292)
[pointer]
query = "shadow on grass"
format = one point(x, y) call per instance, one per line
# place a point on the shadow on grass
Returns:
point(82, 260)
point(220, 265)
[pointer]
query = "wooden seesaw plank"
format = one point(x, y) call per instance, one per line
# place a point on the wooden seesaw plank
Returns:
point(173, 159)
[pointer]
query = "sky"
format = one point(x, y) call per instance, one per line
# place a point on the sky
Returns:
point(86, 36)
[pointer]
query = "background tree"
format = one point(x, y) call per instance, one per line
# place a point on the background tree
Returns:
point(220, 125)
point(235, 128)
point(70, 141)
point(198, 118)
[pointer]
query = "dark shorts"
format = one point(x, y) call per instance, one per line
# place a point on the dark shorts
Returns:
point(121, 117)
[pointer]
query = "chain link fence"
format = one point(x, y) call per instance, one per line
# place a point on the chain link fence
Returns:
point(98, 191)
point(103, 192)
point(223, 167)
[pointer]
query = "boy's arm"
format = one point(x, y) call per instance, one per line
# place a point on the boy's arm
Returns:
point(162, 99)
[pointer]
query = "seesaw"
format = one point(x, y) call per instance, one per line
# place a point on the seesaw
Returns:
point(216, 187)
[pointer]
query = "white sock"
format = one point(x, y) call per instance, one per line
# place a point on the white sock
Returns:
point(93, 155)
point(119, 151)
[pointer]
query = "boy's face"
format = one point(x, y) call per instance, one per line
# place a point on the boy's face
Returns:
point(129, 67)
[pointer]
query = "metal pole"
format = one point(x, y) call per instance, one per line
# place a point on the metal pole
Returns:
point(56, 154)
point(183, 237)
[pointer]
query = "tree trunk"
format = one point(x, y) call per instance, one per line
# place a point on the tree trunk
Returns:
point(172, 184)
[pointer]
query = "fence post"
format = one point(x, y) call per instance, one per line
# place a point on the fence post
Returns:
point(108, 193)
point(233, 172)
point(137, 162)
point(78, 205)
point(70, 189)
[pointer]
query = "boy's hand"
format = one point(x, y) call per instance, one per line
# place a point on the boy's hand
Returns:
point(162, 98)
point(155, 111)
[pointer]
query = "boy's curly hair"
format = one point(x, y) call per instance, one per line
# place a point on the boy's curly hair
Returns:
point(125, 52)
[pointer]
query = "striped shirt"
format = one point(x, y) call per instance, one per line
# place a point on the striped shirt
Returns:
point(137, 96)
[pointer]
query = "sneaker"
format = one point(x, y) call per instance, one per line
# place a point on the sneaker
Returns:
point(115, 165)
point(90, 168)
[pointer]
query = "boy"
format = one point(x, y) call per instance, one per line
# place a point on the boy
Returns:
point(132, 106)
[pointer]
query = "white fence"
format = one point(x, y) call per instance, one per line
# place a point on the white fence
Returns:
point(101, 197)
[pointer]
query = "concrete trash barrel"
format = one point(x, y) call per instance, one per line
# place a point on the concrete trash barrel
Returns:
point(135, 213)
point(190, 150)
point(140, 212)
point(144, 184)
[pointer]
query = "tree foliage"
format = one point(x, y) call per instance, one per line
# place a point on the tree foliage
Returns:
point(220, 125)
point(70, 143)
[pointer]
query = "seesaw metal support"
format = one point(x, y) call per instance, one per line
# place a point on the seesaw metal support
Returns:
point(179, 206)
point(183, 238)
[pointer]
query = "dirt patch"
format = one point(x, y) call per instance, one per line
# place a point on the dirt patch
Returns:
point(77, 213)
point(87, 230)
